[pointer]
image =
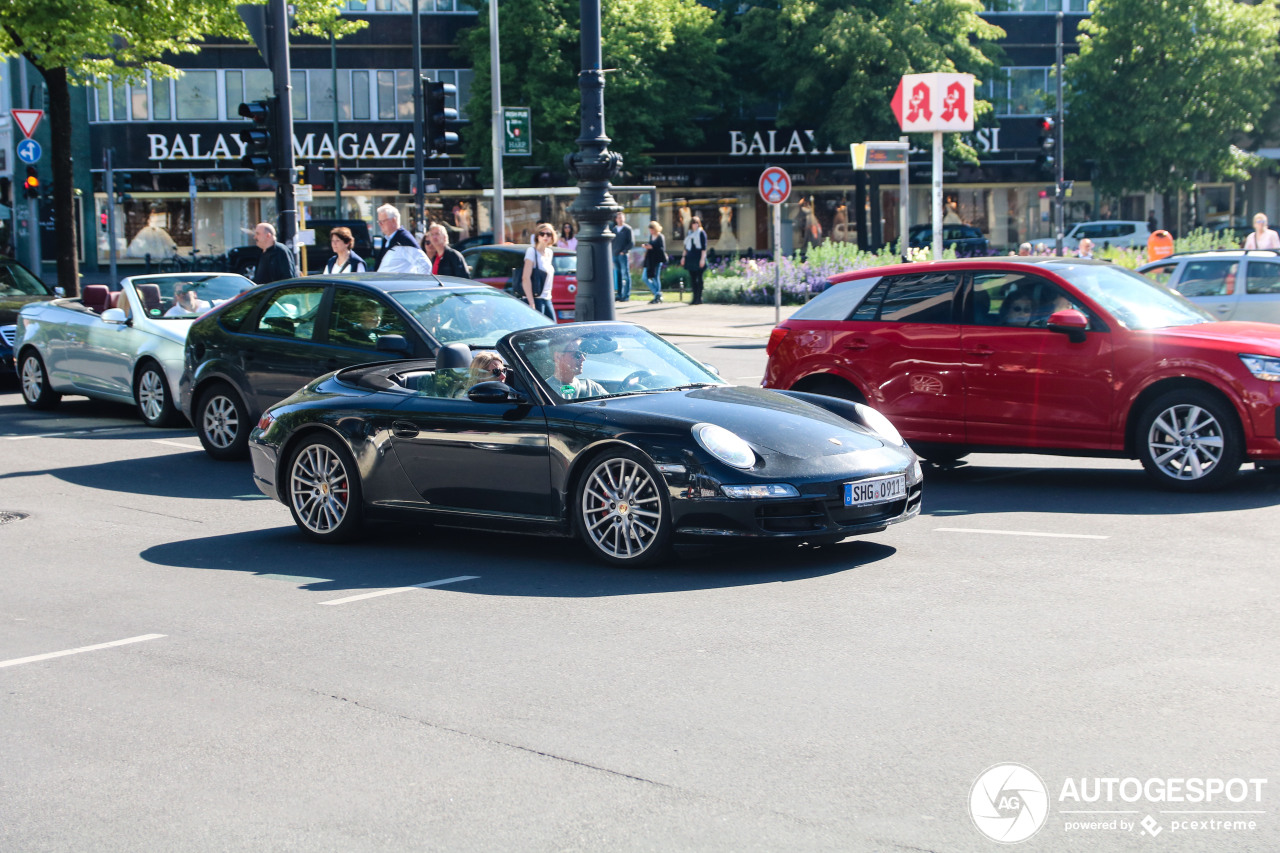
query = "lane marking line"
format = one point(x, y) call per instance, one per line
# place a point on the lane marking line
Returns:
point(402, 589)
point(50, 655)
point(1018, 533)
point(175, 444)
point(64, 434)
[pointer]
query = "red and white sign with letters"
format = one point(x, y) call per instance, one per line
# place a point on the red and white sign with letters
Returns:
point(939, 101)
point(27, 120)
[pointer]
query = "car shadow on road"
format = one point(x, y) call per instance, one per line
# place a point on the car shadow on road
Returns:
point(171, 475)
point(505, 564)
point(1125, 489)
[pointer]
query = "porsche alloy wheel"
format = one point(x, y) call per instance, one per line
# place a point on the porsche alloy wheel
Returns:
point(222, 423)
point(324, 490)
point(151, 392)
point(622, 511)
point(36, 391)
point(1189, 441)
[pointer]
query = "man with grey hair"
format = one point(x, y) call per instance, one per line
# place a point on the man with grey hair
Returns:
point(401, 252)
point(276, 263)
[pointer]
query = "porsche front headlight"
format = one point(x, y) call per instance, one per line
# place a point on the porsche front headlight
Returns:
point(724, 445)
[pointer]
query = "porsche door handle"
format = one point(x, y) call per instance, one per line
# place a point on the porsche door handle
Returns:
point(403, 429)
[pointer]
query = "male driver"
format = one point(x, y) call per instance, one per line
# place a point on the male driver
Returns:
point(567, 381)
point(445, 260)
point(276, 262)
point(402, 253)
point(623, 242)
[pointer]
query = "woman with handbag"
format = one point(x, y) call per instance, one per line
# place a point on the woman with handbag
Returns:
point(655, 256)
point(539, 270)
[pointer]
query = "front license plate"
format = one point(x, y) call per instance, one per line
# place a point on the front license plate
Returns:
point(877, 491)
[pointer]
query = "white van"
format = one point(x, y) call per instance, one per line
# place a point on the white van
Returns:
point(1109, 233)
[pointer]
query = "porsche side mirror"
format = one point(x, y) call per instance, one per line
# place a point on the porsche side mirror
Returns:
point(495, 392)
point(1071, 323)
point(115, 317)
point(393, 344)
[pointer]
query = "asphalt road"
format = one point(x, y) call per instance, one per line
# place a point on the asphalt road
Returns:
point(1057, 613)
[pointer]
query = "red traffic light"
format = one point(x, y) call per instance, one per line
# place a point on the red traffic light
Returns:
point(1046, 125)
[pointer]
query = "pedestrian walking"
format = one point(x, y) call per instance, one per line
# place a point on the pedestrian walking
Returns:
point(1262, 236)
point(344, 260)
point(445, 260)
point(623, 242)
point(276, 263)
point(539, 270)
point(655, 258)
point(567, 240)
point(402, 253)
point(695, 257)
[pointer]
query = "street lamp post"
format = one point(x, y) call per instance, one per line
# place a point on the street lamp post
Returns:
point(593, 165)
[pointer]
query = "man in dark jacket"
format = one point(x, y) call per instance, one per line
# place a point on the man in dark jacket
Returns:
point(623, 242)
point(445, 260)
point(276, 263)
point(401, 253)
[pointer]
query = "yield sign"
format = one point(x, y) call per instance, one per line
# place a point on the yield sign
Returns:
point(775, 185)
point(27, 120)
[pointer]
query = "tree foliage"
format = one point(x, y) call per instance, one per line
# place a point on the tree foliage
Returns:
point(71, 41)
point(1161, 88)
point(664, 71)
point(833, 65)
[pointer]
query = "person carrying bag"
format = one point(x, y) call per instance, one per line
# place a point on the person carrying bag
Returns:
point(536, 277)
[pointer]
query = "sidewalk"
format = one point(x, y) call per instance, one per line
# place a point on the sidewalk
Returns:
point(705, 320)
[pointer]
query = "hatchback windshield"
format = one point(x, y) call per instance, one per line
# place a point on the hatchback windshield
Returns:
point(1134, 300)
point(472, 317)
point(16, 281)
point(576, 363)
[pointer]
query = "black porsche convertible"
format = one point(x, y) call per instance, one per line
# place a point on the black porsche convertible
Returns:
point(600, 430)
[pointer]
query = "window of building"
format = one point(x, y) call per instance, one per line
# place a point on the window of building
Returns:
point(359, 100)
point(1028, 90)
point(1037, 5)
point(161, 96)
point(258, 85)
point(320, 94)
point(386, 94)
point(119, 101)
point(198, 96)
point(234, 84)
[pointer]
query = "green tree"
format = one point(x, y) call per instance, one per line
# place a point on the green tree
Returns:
point(833, 65)
point(665, 72)
point(1161, 88)
point(72, 41)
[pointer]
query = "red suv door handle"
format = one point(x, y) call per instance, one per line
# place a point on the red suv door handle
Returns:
point(982, 352)
point(856, 343)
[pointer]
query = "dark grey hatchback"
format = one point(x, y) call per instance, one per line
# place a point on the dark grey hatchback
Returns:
point(256, 350)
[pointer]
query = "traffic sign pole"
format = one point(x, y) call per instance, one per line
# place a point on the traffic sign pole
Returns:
point(937, 195)
point(775, 186)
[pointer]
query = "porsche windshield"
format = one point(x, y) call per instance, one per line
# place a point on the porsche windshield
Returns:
point(576, 363)
point(472, 317)
point(1134, 300)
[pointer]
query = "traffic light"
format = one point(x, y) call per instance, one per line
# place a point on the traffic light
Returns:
point(32, 184)
point(1048, 141)
point(436, 117)
point(259, 141)
point(122, 183)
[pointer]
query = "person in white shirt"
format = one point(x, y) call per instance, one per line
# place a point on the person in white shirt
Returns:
point(539, 270)
point(186, 303)
point(1262, 236)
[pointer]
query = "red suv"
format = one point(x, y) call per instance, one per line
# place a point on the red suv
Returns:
point(1058, 355)
point(493, 265)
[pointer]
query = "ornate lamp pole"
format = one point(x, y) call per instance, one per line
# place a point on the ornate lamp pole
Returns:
point(593, 165)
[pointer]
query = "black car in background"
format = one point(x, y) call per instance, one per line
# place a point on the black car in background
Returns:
point(967, 241)
point(18, 287)
point(258, 349)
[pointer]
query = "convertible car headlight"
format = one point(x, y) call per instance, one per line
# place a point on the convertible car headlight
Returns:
point(1264, 367)
point(879, 424)
point(724, 445)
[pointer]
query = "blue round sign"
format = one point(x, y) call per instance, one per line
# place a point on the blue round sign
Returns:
point(29, 151)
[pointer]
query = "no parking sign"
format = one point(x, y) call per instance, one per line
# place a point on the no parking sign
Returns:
point(775, 185)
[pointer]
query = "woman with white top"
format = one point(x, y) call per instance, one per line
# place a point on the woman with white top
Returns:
point(539, 270)
point(1262, 236)
point(344, 260)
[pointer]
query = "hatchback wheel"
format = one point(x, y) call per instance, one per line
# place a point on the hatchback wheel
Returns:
point(37, 393)
point(1189, 441)
point(151, 393)
point(222, 422)
point(323, 489)
point(622, 512)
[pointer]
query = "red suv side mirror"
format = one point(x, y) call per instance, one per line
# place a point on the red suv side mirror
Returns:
point(1071, 322)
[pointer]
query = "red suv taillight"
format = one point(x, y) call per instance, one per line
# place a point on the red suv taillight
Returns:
point(775, 338)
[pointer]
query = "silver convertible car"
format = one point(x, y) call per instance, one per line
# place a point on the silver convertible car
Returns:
point(125, 346)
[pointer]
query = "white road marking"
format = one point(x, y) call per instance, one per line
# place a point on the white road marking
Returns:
point(1018, 533)
point(176, 444)
point(35, 658)
point(401, 589)
point(64, 434)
